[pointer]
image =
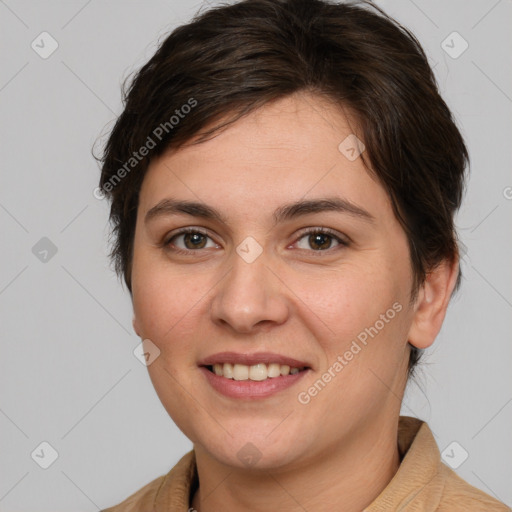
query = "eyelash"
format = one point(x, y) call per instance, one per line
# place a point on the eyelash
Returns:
point(309, 231)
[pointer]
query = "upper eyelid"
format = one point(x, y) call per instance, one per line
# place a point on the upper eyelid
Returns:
point(320, 229)
point(184, 231)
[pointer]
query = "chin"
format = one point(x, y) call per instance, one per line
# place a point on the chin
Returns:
point(251, 447)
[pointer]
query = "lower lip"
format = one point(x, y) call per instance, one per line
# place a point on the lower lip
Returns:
point(251, 389)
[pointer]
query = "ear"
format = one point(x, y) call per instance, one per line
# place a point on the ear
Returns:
point(432, 302)
point(136, 326)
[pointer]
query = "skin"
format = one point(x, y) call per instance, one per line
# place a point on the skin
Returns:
point(338, 451)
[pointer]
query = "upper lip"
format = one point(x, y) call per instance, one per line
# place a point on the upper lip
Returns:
point(252, 359)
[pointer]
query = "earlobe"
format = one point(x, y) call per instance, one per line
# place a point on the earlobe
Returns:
point(432, 303)
point(135, 326)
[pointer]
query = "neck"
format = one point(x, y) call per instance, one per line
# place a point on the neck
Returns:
point(346, 477)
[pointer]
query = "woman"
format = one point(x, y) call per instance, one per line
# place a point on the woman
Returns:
point(283, 182)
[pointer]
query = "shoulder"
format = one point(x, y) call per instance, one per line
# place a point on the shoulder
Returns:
point(460, 495)
point(167, 492)
point(424, 482)
point(143, 499)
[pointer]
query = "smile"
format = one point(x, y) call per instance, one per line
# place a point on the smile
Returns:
point(255, 372)
point(252, 376)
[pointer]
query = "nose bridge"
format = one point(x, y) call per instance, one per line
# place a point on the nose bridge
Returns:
point(250, 294)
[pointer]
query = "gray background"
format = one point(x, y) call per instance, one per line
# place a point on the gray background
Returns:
point(68, 373)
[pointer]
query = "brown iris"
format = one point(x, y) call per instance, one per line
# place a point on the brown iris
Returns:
point(197, 240)
point(320, 241)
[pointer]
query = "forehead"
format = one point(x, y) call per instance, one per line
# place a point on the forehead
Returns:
point(292, 149)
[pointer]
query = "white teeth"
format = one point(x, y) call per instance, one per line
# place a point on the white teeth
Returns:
point(257, 372)
point(240, 372)
point(273, 370)
point(227, 370)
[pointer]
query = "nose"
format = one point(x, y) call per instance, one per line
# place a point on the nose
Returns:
point(250, 298)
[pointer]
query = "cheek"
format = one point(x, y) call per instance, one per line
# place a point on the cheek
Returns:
point(167, 307)
point(364, 347)
point(348, 300)
point(164, 301)
point(359, 319)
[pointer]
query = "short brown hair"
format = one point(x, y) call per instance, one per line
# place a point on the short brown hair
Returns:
point(233, 59)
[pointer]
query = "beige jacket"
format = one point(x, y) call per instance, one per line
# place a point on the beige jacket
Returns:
point(422, 483)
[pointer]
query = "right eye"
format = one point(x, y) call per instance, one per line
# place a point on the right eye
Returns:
point(188, 240)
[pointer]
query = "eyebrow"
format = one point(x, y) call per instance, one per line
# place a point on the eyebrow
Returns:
point(290, 211)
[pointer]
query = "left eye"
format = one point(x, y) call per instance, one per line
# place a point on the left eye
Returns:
point(319, 240)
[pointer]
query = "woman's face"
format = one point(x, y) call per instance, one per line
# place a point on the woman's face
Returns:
point(326, 287)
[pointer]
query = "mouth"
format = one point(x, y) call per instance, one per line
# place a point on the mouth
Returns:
point(252, 376)
point(256, 372)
